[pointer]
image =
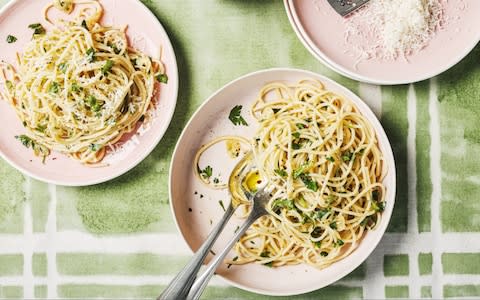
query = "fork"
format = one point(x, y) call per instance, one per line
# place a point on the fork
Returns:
point(260, 200)
point(180, 285)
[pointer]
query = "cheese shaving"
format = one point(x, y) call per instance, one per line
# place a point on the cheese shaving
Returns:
point(388, 29)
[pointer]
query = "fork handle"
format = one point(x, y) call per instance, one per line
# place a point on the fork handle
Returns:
point(202, 281)
point(182, 282)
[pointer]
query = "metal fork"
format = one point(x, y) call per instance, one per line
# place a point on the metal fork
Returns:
point(180, 286)
point(260, 200)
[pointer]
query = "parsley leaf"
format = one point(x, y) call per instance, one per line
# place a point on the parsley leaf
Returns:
point(107, 67)
point(333, 225)
point(95, 147)
point(235, 116)
point(281, 172)
point(11, 39)
point(265, 254)
point(320, 213)
point(25, 140)
point(91, 55)
point(207, 172)
point(283, 203)
point(323, 253)
point(54, 87)
point(163, 78)
point(75, 87)
point(331, 159)
point(296, 135)
point(340, 243)
point(309, 182)
point(37, 28)
point(63, 67)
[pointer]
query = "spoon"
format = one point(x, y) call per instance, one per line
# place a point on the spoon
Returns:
point(260, 200)
point(180, 285)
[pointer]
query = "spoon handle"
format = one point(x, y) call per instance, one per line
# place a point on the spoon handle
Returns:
point(202, 281)
point(181, 284)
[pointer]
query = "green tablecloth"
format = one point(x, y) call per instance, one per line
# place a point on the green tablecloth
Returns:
point(118, 239)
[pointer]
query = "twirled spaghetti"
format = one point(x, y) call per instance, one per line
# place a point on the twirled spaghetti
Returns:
point(79, 87)
point(322, 162)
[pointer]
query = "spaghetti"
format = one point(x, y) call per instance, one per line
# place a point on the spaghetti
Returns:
point(79, 87)
point(322, 162)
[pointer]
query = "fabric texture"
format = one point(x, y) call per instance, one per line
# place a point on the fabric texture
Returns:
point(118, 239)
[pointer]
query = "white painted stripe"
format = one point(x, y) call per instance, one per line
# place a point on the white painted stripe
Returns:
point(171, 244)
point(28, 289)
point(50, 245)
point(218, 282)
point(372, 95)
point(412, 227)
point(436, 174)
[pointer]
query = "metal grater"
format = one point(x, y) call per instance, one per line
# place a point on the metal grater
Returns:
point(345, 7)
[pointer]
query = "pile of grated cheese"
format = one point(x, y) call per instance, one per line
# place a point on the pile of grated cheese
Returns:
point(388, 29)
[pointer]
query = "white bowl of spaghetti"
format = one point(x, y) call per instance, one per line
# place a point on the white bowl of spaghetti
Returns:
point(327, 158)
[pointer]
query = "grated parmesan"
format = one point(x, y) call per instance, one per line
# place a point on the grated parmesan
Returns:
point(388, 29)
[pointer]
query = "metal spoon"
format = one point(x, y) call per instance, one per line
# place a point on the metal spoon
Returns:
point(260, 200)
point(180, 285)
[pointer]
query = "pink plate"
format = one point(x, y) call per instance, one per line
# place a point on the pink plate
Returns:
point(321, 30)
point(196, 208)
point(146, 34)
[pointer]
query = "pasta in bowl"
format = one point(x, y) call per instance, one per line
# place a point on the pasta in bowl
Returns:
point(326, 160)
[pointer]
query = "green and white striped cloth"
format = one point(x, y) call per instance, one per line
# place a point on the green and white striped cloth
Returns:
point(118, 239)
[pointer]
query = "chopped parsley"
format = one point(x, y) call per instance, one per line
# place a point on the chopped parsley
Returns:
point(333, 225)
point(216, 180)
point(41, 128)
point(37, 28)
point(236, 117)
point(107, 67)
point(320, 213)
point(323, 253)
point(75, 87)
point(296, 146)
point(25, 140)
point(348, 156)
point(95, 147)
point(309, 182)
point(269, 264)
point(275, 110)
point(378, 206)
point(63, 67)
point(9, 84)
point(11, 39)
point(93, 103)
point(317, 244)
point(296, 135)
point(265, 254)
point(340, 243)
point(300, 170)
point(283, 203)
point(331, 159)
point(300, 126)
point(207, 172)
point(163, 78)
point(91, 55)
point(281, 172)
point(54, 88)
